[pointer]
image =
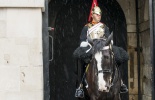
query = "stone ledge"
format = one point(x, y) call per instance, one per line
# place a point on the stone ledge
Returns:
point(144, 26)
point(22, 3)
point(146, 97)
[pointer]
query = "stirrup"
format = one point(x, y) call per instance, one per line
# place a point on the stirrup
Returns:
point(79, 92)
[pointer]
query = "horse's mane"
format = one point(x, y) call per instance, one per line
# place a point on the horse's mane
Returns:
point(98, 45)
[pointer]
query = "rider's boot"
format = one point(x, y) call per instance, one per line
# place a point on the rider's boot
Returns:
point(79, 92)
point(123, 88)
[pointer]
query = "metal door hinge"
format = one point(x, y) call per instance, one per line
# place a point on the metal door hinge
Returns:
point(50, 29)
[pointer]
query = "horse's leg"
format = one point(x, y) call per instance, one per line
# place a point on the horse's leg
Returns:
point(92, 97)
point(117, 96)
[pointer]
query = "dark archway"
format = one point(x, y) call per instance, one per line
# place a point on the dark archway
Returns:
point(68, 18)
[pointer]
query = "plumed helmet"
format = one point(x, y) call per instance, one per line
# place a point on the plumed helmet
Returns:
point(96, 10)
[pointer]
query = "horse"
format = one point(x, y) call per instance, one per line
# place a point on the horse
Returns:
point(103, 75)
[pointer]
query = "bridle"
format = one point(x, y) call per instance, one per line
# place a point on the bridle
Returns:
point(114, 68)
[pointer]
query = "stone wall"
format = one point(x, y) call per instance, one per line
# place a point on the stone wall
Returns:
point(21, 66)
point(21, 59)
point(128, 7)
point(145, 44)
point(22, 3)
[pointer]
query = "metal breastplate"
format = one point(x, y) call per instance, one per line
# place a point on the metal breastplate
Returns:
point(97, 33)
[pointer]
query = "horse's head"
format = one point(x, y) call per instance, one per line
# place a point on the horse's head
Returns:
point(103, 57)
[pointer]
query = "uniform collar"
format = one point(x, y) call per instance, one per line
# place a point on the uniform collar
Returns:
point(94, 23)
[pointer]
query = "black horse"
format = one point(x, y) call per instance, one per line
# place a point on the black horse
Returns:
point(103, 75)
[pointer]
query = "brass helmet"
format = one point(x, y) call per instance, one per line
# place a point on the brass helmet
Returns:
point(96, 10)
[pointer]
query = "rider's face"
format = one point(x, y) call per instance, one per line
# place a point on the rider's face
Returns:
point(96, 17)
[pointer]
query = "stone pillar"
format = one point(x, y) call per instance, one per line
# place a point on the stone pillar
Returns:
point(152, 43)
point(129, 9)
point(21, 59)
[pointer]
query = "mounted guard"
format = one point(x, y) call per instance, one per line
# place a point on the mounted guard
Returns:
point(92, 31)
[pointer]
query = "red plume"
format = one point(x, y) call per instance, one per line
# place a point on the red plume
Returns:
point(94, 3)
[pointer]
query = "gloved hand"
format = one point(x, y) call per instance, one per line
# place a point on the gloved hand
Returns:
point(84, 44)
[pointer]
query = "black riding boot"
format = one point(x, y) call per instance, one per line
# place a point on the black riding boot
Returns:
point(123, 88)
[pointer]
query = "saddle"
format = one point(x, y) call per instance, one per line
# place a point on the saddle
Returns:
point(119, 53)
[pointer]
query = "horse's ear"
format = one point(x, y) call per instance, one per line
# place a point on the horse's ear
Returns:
point(109, 38)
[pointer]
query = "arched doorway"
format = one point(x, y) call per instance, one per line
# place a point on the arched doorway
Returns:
point(68, 18)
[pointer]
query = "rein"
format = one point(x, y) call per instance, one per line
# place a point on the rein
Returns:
point(114, 74)
point(114, 68)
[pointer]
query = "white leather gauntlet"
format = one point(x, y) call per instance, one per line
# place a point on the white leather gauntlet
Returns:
point(112, 42)
point(84, 44)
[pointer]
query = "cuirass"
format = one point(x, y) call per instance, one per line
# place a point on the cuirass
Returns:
point(97, 33)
